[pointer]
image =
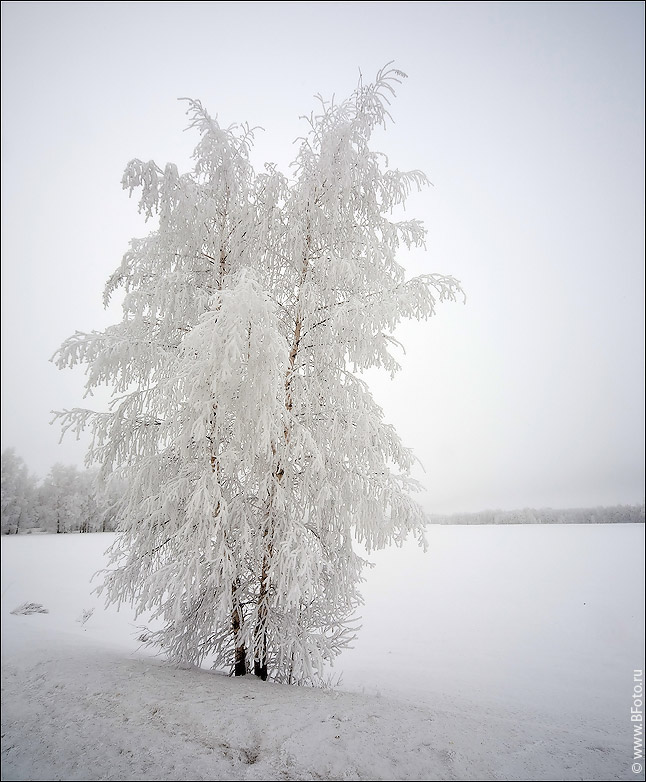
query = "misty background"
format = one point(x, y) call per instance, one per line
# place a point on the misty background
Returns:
point(527, 117)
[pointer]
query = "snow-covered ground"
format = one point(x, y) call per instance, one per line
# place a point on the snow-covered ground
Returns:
point(503, 653)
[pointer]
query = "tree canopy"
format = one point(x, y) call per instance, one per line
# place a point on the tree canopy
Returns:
point(256, 454)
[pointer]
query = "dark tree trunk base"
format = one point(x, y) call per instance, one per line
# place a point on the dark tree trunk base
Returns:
point(240, 668)
point(260, 670)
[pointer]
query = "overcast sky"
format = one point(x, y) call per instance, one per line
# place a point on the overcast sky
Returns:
point(527, 117)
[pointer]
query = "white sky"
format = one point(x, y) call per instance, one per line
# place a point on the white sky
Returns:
point(527, 117)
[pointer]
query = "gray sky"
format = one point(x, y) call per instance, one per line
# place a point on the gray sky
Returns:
point(527, 117)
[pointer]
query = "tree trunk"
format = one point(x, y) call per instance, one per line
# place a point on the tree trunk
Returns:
point(260, 661)
point(260, 669)
point(240, 668)
point(240, 660)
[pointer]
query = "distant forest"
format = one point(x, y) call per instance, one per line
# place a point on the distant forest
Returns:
point(616, 514)
point(66, 500)
point(70, 500)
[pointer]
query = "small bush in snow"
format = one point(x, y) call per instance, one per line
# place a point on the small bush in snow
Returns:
point(30, 608)
point(87, 613)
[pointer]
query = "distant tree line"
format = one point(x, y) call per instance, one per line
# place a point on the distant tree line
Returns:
point(66, 500)
point(69, 500)
point(616, 514)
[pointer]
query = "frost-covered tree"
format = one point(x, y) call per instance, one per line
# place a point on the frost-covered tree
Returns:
point(255, 453)
point(18, 494)
point(63, 500)
point(107, 497)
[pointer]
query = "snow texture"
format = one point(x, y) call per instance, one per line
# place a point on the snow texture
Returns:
point(503, 653)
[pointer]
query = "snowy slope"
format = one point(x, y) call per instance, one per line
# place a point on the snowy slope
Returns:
point(503, 653)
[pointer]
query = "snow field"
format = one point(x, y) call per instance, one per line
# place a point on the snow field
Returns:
point(501, 653)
